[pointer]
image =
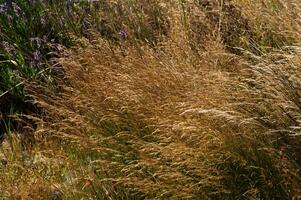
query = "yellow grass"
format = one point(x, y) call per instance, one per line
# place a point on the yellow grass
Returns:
point(189, 117)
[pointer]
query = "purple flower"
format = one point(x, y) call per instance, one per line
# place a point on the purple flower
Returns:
point(43, 20)
point(8, 47)
point(122, 34)
point(37, 55)
point(36, 41)
point(3, 8)
point(17, 9)
point(36, 62)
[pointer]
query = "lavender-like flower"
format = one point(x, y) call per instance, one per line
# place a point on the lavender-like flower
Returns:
point(37, 41)
point(8, 47)
point(3, 8)
point(17, 9)
point(37, 55)
point(43, 20)
point(122, 34)
point(36, 59)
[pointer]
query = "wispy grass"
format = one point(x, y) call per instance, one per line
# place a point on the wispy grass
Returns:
point(164, 100)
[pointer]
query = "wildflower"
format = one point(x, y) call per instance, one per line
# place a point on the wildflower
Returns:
point(37, 55)
point(17, 9)
point(122, 34)
point(43, 20)
point(36, 41)
point(3, 8)
point(36, 59)
point(8, 47)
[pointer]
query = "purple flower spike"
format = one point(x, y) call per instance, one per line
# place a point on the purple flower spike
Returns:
point(43, 20)
point(37, 55)
point(8, 47)
point(122, 34)
point(3, 8)
point(17, 9)
point(36, 41)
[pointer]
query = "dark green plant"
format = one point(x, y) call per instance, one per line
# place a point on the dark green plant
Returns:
point(30, 30)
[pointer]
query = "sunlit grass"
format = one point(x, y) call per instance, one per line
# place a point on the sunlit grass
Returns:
point(152, 100)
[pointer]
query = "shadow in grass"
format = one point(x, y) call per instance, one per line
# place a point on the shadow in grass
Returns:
point(113, 147)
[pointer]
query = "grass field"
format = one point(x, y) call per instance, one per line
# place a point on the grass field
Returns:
point(150, 99)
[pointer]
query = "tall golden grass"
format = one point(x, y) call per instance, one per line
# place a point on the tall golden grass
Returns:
point(211, 110)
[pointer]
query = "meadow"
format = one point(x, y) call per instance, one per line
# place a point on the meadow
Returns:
point(150, 99)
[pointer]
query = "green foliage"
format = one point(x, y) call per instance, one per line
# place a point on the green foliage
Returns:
point(29, 32)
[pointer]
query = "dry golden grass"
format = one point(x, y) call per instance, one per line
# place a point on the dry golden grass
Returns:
point(180, 120)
